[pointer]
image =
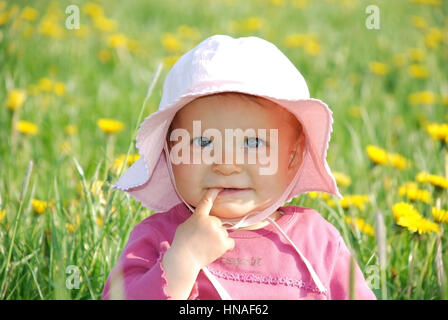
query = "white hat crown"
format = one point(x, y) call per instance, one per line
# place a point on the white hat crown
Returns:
point(248, 60)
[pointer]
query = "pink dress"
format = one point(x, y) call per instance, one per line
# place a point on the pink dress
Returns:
point(263, 265)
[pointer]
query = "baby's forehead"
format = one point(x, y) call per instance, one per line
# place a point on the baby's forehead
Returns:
point(235, 107)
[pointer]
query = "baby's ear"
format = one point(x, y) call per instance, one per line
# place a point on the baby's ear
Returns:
point(296, 152)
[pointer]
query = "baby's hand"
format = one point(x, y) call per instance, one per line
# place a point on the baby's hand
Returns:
point(202, 237)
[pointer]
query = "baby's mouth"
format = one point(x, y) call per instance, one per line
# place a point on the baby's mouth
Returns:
point(232, 191)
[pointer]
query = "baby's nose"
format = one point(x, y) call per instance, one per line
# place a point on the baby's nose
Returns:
point(226, 169)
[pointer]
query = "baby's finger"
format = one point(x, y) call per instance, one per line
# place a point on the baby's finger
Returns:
point(231, 244)
point(206, 203)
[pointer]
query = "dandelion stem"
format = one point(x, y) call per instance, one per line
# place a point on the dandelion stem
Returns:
point(411, 267)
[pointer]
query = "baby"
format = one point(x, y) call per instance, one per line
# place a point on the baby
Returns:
point(221, 230)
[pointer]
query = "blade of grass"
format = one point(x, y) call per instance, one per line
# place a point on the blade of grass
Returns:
point(23, 192)
point(91, 208)
point(380, 230)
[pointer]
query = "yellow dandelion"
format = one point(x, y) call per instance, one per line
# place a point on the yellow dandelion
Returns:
point(444, 99)
point(399, 59)
point(398, 161)
point(72, 227)
point(419, 22)
point(46, 84)
point(2, 214)
point(188, 32)
point(415, 194)
point(59, 88)
point(429, 2)
point(251, 24)
point(4, 18)
point(433, 38)
point(418, 224)
point(66, 147)
point(120, 161)
point(418, 71)
point(422, 97)
point(295, 40)
point(15, 99)
point(355, 112)
point(407, 216)
point(377, 155)
point(171, 60)
point(300, 4)
point(71, 129)
point(171, 42)
point(401, 209)
point(278, 3)
point(29, 14)
point(49, 27)
point(408, 185)
point(104, 55)
point(438, 131)
point(133, 45)
point(110, 126)
point(321, 195)
point(312, 48)
point(417, 54)
point(342, 179)
point(39, 206)
point(435, 180)
point(354, 200)
point(440, 215)
point(118, 40)
point(361, 224)
point(378, 68)
point(93, 9)
point(27, 127)
point(104, 24)
point(96, 187)
point(99, 221)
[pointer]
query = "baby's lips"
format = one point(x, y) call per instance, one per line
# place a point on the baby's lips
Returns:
point(213, 192)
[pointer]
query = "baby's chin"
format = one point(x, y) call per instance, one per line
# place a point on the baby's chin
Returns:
point(231, 210)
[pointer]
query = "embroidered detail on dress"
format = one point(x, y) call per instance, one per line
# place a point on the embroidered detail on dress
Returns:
point(275, 280)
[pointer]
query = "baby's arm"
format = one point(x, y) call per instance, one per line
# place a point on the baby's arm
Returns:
point(340, 277)
point(198, 241)
point(180, 273)
point(169, 272)
point(140, 274)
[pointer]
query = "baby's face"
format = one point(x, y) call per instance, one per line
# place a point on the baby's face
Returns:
point(234, 112)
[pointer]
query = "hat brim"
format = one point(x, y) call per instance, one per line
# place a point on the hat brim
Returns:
point(148, 179)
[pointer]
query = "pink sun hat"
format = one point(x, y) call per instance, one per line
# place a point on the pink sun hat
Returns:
point(221, 63)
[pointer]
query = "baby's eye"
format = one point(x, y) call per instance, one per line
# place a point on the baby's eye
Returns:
point(202, 141)
point(253, 142)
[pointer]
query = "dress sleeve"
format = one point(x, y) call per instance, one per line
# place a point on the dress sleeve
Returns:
point(340, 277)
point(139, 273)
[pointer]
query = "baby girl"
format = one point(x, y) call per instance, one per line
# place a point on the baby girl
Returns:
point(236, 137)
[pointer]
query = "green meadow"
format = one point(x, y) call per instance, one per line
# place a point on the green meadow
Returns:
point(72, 99)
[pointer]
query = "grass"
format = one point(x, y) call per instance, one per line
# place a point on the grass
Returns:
point(105, 80)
